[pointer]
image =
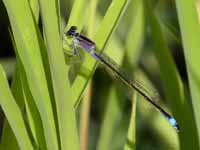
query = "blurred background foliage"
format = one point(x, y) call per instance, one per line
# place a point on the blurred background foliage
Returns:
point(147, 41)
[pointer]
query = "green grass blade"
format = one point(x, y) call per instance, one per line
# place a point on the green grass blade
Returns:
point(77, 15)
point(25, 100)
point(64, 104)
point(8, 140)
point(35, 9)
point(33, 117)
point(13, 114)
point(172, 84)
point(109, 22)
point(92, 19)
point(190, 33)
point(135, 36)
point(28, 51)
point(131, 135)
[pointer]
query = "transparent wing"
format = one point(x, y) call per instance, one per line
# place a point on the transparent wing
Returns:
point(137, 83)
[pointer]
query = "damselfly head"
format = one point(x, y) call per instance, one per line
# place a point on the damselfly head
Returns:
point(72, 31)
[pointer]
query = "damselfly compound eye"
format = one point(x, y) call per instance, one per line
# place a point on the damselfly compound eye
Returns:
point(72, 31)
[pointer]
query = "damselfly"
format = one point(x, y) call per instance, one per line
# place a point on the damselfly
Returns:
point(89, 46)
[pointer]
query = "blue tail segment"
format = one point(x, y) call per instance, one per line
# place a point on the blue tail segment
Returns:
point(174, 123)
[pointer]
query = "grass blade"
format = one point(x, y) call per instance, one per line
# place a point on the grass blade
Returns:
point(28, 52)
point(64, 104)
point(32, 115)
point(131, 139)
point(8, 140)
point(190, 33)
point(172, 84)
point(13, 113)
